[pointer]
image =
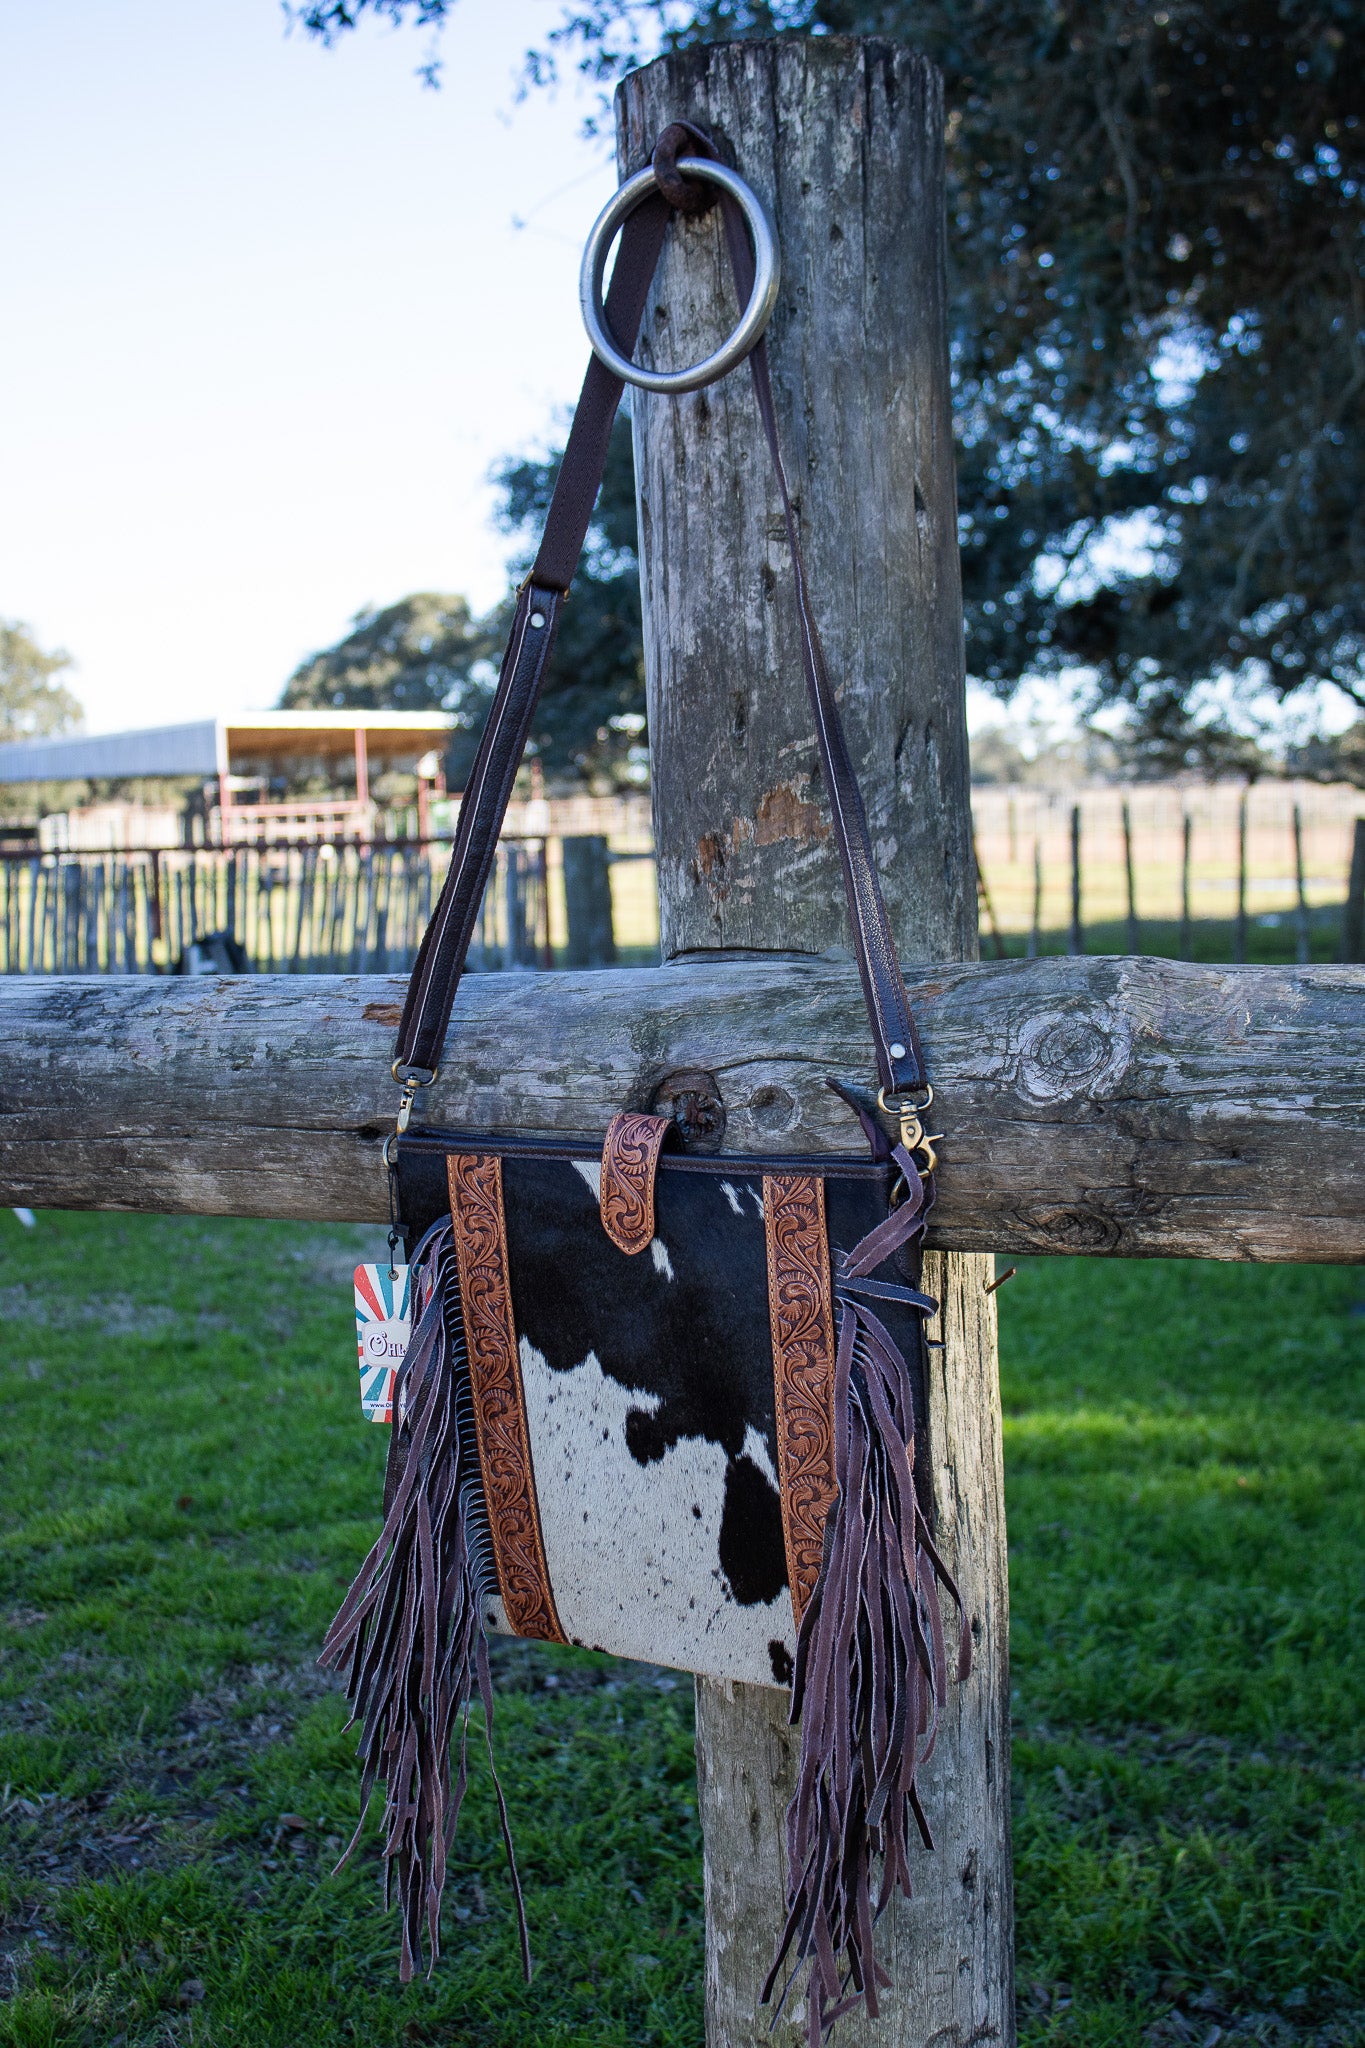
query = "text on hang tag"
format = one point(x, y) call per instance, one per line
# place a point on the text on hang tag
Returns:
point(383, 1325)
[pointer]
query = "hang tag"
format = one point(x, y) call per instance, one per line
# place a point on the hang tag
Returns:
point(383, 1325)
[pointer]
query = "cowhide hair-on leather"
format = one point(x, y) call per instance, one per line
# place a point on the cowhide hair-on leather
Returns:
point(648, 1387)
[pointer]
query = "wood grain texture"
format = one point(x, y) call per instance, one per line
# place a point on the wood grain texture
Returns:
point(1124, 1106)
point(844, 139)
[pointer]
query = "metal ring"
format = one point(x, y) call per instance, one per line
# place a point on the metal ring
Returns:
point(898, 1102)
point(756, 315)
point(421, 1077)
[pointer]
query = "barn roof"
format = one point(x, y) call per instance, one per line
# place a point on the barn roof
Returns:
point(209, 746)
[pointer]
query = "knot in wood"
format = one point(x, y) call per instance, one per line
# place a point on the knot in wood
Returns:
point(1078, 1229)
point(1076, 1051)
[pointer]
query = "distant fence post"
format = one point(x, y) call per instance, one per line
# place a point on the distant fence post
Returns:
point(1076, 942)
point(1353, 923)
point(985, 905)
point(1239, 936)
point(514, 908)
point(587, 902)
point(1134, 930)
point(1302, 923)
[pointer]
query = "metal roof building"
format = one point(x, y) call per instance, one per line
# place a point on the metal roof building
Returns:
point(221, 748)
point(212, 746)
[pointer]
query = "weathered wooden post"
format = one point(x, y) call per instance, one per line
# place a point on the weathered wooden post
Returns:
point(844, 140)
point(587, 902)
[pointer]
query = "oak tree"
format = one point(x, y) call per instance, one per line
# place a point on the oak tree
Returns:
point(1156, 217)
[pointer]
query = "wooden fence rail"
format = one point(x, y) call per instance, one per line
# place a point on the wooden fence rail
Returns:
point(1122, 1106)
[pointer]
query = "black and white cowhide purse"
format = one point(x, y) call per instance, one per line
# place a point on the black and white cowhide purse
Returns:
point(658, 1404)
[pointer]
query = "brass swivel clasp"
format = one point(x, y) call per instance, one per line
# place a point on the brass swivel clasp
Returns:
point(409, 1080)
point(910, 1114)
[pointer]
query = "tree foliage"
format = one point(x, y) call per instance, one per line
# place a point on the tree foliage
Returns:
point(429, 652)
point(1331, 757)
point(33, 703)
point(416, 655)
point(1158, 323)
point(424, 653)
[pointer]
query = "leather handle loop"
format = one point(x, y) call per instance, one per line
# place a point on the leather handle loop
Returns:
point(630, 1161)
point(441, 956)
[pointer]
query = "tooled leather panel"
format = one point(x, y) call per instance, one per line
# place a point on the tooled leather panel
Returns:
point(801, 1316)
point(630, 1159)
point(475, 1181)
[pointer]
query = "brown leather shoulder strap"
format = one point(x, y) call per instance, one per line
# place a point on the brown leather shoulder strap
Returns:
point(441, 958)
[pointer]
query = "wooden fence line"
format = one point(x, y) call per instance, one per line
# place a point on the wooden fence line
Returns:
point(1167, 853)
point(1056, 861)
point(345, 910)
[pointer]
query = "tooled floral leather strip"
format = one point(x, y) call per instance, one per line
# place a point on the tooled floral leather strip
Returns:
point(801, 1315)
point(500, 1426)
point(630, 1158)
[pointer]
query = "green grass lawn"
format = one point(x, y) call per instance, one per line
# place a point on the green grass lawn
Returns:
point(187, 1487)
point(1270, 940)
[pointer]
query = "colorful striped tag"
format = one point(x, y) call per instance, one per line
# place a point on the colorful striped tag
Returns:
point(382, 1327)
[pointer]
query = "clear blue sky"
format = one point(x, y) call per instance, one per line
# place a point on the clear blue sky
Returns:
point(268, 322)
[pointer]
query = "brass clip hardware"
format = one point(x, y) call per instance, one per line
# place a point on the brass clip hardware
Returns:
point(914, 1137)
point(409, 1080)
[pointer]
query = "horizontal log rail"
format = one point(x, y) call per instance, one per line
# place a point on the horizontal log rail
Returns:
point(1132, 1106)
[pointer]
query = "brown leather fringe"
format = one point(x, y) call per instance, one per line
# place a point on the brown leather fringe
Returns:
point(870, 1677)
point(411, 1627)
